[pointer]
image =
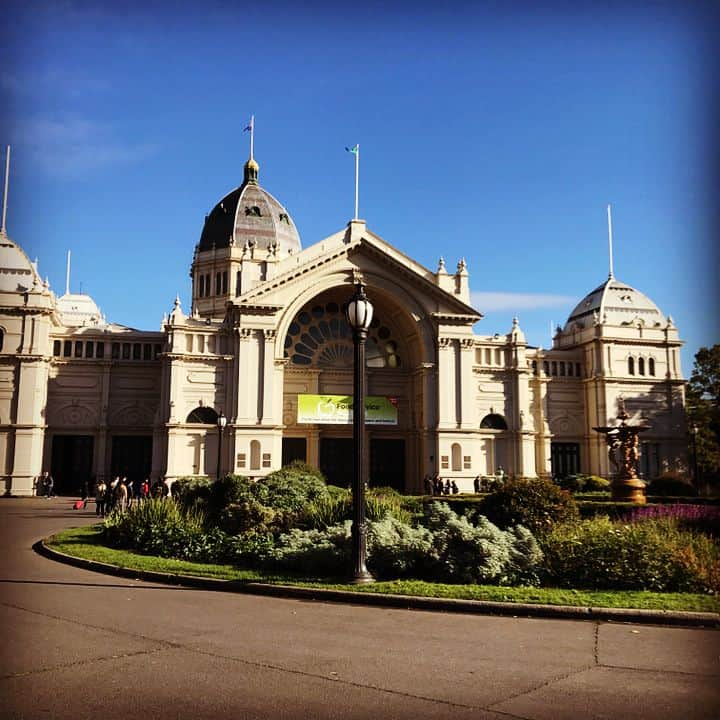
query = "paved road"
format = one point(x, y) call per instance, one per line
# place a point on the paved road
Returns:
point(77, 644)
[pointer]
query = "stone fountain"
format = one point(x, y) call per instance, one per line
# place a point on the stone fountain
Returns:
point(623, 452)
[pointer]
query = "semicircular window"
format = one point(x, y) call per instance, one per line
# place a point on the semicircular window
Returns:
point(203, 415)
point(493, 421)
point(320, 336)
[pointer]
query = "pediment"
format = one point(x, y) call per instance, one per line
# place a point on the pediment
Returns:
point(354, 253)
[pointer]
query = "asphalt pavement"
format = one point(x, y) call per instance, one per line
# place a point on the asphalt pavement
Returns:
point(79, 644)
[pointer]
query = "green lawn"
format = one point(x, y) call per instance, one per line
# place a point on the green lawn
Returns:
point(85, 543)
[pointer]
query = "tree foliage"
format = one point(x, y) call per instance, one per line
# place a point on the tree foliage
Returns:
point(703, 411)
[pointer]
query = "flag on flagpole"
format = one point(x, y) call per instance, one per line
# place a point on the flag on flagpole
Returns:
point(353, 150)
point(249, 127)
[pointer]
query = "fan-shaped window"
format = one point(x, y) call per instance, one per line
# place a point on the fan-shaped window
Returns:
point(493, 421)
point(253, 210)
point(203, 415)
point(320, 336)
point(631, 366)
point(456, 452)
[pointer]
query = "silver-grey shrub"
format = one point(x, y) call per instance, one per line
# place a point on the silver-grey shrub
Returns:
point(479, 552)
point(310, 551)
point(396, 549)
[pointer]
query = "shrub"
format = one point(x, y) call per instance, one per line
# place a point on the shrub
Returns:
point(326, 510)
point(159, 527)
point(289, 488)
point(192, 491)
point(479, 553)
point(531, 502)
point(385, 502)
point(584, 483)
point(310, 551)
point(671, 484)
point(397, 550)
point(650, 555)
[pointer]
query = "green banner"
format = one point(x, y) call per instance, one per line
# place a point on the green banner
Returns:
point(337, 410)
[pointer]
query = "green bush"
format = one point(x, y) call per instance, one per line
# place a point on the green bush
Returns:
point(385, 502)
point(192, 490)
point(531, 502)
point(397, 550)
point(160, 527)
point(290, 488)
point(321, 552)
point(584, 483)
point(326, 510)
point(671, 484)
point(464, 552)
point(648, 555)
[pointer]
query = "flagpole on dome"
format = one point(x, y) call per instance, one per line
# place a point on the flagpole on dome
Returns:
point(610, 243)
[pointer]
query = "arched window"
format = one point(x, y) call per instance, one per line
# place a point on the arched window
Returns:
point(631, 366)
point(651, 367)
point(493, 421)
point(456, 451)
point(203, 415)
point(641, 366)
point(2, 338)
point(254, 454)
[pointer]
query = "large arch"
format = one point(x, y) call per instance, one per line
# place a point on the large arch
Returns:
point(317, 350)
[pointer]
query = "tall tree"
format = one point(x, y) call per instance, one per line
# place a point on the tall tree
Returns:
point(703, 411)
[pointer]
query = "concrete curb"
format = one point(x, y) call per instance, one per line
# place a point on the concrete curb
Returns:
point(407, 602)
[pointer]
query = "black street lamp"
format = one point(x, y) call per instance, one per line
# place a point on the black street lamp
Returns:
point(359, 314)
point(221, 423)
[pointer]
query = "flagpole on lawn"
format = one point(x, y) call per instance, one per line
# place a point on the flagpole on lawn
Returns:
point(357, 178)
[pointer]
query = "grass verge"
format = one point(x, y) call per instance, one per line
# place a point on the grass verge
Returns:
point(86, 543)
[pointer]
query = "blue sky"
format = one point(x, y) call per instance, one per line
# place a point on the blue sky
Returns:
point(497, 132)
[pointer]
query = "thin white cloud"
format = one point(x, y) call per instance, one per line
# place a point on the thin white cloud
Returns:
point(498, 301)
point(73, 146)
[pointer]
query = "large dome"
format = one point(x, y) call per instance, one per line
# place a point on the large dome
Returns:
point(616, 303)
point(249, 215)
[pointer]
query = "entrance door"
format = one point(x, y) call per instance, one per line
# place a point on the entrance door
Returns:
point(293, 449)
point(131, 456)
point(336, 460)
point(387, 463)
point(565, 459)
point(71, 463)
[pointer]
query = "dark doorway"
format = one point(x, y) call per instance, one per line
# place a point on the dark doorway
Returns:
point(71, 463)
point(131, 456)
point(293, 449)
point(565, 459)
point(336, 460)
point(387, 464)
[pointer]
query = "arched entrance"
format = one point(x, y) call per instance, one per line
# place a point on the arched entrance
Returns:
point(318, 351)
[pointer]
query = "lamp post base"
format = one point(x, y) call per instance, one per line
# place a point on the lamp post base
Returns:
point(362, 578)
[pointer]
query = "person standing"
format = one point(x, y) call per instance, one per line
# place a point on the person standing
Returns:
point(48, 483)
point(476, 484)
point(100, 491)
point(121, 496)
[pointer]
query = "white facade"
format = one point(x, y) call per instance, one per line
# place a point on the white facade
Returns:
point(85, 398)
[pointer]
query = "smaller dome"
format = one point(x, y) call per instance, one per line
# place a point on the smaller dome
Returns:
point(615, 303)
point(17, 272)
point(78, 310)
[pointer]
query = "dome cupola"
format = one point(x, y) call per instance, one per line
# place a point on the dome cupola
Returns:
point(249, 216)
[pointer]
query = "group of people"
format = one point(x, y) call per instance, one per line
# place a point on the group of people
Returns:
point(434, 485)
point(119, 494)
